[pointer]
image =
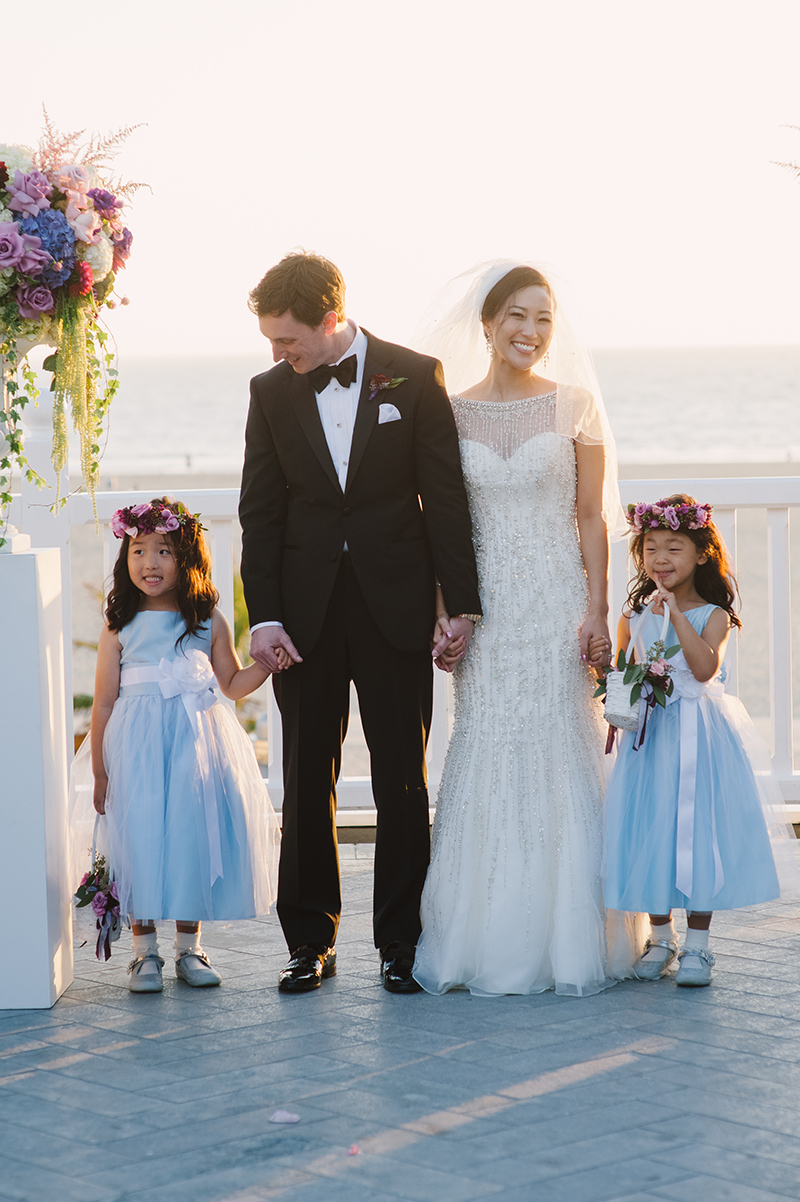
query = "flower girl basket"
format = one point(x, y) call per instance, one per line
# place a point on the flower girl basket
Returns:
point(618, 709)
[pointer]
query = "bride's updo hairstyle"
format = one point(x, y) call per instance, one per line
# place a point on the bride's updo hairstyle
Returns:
point(196, 596)
point(713, 579)
point(512, 282)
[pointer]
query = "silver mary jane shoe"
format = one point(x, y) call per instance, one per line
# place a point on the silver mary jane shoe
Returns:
point(145, 982)
point(193, 968)
point(695, 967)
point(655, 969)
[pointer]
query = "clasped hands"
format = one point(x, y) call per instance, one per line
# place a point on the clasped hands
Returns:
point(273, 650)
point(450, 640)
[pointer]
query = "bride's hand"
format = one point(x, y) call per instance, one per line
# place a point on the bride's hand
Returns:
point(595, 642)
point(599, 654)
point(446, 648)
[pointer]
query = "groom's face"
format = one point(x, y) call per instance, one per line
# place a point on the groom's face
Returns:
point(303, 347)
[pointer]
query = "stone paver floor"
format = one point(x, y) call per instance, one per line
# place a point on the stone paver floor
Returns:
point(645, 1092)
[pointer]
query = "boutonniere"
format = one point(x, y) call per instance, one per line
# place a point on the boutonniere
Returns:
point(380, 383)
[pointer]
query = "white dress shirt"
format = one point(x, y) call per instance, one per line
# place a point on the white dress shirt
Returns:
point(337, 408)
point(337, 411)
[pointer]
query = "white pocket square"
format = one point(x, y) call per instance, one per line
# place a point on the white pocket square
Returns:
point(388, 413)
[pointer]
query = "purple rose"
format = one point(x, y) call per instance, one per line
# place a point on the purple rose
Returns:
point(672, 517)
point(139, 510)
point(122, 247)
point(33, 300)
point(21, 251)
point(28, 193)
point(168, 522)
point(99, 904)
point(105, 203)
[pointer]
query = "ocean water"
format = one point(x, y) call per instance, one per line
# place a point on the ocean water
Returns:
point(688, 405)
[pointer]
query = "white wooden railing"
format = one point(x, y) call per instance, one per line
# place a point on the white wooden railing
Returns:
point(777, 495)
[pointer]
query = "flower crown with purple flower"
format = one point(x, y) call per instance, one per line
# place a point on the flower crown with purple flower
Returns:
point(662, 515)
point(153, 518)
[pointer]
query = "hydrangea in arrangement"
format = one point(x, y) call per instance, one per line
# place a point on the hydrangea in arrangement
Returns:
point(63, 240)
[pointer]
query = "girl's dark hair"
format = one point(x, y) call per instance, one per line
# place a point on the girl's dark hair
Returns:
point(713, 579)
point(197, 597)
point(513, 281)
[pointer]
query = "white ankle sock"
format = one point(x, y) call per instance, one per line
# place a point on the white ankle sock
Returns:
point(665, 930)
point(696, 939)
point(144, 944)
point(186, 941)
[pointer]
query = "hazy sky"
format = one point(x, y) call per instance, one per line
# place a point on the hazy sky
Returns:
point(627, 144)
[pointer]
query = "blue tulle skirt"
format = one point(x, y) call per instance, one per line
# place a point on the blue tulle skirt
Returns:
point(184, 794)
point(738, 831)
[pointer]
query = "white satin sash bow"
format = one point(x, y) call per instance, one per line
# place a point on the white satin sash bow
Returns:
point(190, 677)
point(693, 694)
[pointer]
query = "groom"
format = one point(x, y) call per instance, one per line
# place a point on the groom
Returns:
point(352, 507)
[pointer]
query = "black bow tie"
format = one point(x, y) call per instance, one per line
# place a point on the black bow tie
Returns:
point(345, 373)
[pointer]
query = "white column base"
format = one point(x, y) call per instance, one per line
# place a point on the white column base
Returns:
point(36, 963)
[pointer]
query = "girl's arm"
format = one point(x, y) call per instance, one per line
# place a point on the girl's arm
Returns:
point(593, 536)
point(106, 692)
point(624, 634)
point(703, 652)
point(234, 681)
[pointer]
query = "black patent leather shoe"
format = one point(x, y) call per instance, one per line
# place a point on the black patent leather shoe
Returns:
point(397, 963)
point(307, 968)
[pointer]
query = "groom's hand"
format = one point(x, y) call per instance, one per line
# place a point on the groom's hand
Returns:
point(271, 647)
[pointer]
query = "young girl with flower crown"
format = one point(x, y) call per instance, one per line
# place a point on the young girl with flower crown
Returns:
point(189, 831)
point(685, 810)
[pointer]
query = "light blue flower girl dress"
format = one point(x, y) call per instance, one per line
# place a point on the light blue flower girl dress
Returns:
point(692, 818)
point(189, 832)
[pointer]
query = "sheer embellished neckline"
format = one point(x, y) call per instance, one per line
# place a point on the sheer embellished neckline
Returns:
point(539, 396)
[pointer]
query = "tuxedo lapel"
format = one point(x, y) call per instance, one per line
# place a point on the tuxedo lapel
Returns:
point(304, 402)
point(367, 412)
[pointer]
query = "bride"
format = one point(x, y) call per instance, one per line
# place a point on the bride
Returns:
point(512, 901)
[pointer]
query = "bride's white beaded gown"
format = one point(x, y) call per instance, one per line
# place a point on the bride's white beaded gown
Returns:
point(512, 902)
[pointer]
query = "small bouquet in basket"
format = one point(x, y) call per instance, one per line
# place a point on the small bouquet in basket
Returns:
point(632, 689)
point(100, 892)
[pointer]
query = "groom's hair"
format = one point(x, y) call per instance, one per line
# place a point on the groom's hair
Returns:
point(305, 285)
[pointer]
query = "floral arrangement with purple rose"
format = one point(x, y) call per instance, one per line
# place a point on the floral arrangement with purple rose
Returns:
point(63, 242)
point(650, 682)
point(100, 892)
point(664, 516)
point(153, 518)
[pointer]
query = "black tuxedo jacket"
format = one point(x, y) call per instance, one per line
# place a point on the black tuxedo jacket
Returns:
point(403, 512)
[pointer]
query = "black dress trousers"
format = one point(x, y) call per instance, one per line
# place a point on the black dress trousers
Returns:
point(395, 692)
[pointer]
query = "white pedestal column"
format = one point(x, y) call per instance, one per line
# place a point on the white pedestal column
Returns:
point(35, 895)
point(46, 528)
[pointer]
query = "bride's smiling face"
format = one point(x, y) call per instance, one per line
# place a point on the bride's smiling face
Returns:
point(522, 332)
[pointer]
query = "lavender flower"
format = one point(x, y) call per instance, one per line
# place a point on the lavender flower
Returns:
point(33, 300)
point(29, 193)
point(105, 203)
point(21, 251)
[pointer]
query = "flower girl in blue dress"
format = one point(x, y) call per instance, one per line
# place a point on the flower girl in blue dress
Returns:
point(190, 833)
point(685, 821)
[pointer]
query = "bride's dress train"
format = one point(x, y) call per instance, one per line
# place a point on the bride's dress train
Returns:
point(512, 901)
